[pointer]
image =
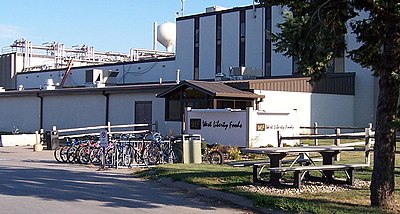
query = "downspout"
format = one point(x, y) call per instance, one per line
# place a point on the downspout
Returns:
point(107, 107)
point(40, 111)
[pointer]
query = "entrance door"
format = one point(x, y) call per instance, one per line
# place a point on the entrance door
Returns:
point(143, 114)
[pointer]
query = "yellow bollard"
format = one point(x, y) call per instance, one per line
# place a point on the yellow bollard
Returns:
point(38, 146)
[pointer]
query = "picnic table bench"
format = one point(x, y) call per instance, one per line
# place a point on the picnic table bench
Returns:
point(277, 155)
point(300, 171)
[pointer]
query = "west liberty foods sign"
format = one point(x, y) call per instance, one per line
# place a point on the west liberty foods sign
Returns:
point(238, 127)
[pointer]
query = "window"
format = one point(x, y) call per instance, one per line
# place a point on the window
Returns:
point(242, 39)
point(218, 43)
point(196, 48)
point(176, 103)
point(234, 104)
point(173, 110)
point(268, 43)
point(89, 76)
point(188, 97)
point(143, 114)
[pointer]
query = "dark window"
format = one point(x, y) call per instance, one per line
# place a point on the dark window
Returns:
point(268, 43)
point(218, 42)
point(143, 114)
point(225, 104)
point(190, 93)
point(242, 39)
point(173, 110)
point(89, 76)
point(188, 97)
point(196, 48)
point(234, 104)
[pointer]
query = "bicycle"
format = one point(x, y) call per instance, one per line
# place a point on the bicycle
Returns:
point(169, 152)
point(211, 154)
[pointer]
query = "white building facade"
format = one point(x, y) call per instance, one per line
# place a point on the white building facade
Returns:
point(231, 44)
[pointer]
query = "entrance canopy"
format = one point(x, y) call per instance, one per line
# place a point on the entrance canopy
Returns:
point(204, 95)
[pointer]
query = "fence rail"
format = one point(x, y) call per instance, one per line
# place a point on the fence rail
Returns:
point(111, 129)
point(368, 135)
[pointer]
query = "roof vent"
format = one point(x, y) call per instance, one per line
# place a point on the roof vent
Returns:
point(214, 9)
point(49, 85)
point(220, 77)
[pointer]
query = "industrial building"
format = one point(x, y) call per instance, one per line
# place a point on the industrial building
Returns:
point(223, 59)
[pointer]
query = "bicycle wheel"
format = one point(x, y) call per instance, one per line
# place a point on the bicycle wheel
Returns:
point(215, 157)
point(128, 155)
point(64, 153)
point(83, 155)
point(177, 156)
point(153, 154)
point(96, 156)
point(57, 154)
point(109, 159)
point(72, 154)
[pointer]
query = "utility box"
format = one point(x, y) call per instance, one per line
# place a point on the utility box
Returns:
point(191, 148)
point(52, 141)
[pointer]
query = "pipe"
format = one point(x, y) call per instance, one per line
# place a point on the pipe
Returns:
point(40, 111)
point(155, 36)
point(107, 115)
point(177, 76)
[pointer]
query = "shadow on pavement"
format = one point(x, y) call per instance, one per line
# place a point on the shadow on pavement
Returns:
point(113, 190)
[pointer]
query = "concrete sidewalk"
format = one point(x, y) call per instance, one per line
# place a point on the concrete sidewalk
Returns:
point(219, 196)
point(25, 157)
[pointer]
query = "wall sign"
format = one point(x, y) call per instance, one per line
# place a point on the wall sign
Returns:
point(260, 127)
point(195, 124)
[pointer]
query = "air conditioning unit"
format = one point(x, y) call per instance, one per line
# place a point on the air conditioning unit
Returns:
point(245, 72)
point(237, 71)
point(110, 77)
point(214, 9)
point(92, 76)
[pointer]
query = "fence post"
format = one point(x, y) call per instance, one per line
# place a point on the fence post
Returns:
point(109, 130)
point(156, 125)
point(279, 138)
point(337, 142)
point(42, 137)
point(367, 145)
point(315, 131)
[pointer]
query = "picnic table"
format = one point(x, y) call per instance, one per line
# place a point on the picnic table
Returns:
point(328, 167)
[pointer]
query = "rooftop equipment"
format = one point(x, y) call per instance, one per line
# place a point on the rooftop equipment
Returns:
point(166, 35)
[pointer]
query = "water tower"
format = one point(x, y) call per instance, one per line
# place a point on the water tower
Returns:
point(166, 35)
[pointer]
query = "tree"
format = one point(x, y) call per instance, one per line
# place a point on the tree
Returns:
point(314, 32)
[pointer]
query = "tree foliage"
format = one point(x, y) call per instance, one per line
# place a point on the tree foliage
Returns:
point(314, 31)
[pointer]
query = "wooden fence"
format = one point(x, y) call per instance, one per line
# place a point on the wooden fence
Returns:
point(366, 136)
point(95, 130)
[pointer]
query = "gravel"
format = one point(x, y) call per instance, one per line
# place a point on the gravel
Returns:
point(306, 188)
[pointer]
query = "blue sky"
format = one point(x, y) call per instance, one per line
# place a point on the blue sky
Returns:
point(107, 25)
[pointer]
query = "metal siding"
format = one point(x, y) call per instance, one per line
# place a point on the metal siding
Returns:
point(185, 48)
point(332, 84)
point(71, 111)
point(254, 38)
point(207, 47)
point(280, 64)
point(230, 41)
point(6, 70)
point(22, 112)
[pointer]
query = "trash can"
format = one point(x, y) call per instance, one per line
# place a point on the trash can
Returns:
point(191, 148)
point(52, 141)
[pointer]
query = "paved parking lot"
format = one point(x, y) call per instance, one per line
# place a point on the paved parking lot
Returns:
point(33, 182)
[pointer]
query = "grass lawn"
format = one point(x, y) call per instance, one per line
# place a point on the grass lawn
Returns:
point(227, 178)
